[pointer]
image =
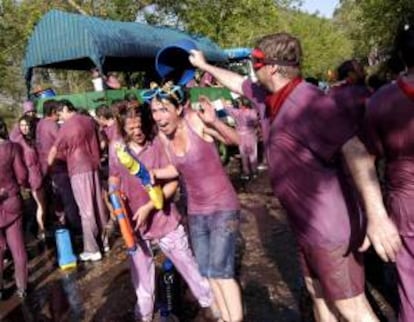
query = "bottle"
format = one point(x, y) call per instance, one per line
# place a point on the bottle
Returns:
point(169, 292)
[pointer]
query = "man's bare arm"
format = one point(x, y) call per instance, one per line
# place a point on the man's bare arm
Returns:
point(229, 79)
point(381, 231)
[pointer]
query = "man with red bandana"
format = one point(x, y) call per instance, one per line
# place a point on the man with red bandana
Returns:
point(390, 129)
point(304, 132)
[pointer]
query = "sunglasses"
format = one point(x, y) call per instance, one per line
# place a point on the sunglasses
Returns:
point(175, 92)
point(259, 60)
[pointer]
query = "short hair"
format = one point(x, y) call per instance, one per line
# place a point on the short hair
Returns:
point(285, 48)
point(50, 107)
point(4, 134)
point(404, 45)
point(68, 104)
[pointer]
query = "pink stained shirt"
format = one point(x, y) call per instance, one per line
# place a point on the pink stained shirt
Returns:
point(302, 153)
point(208, 186)
point(13, 174)
point(390, 131)
point(46, 134)
point(77, 142)
point(160, 222)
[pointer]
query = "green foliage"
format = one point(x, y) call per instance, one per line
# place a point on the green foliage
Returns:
point(230, 23)
point(373, 23)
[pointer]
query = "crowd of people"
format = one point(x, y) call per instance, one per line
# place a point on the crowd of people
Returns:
point(321, 148)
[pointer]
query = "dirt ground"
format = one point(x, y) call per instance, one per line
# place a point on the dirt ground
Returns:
point(267, 270)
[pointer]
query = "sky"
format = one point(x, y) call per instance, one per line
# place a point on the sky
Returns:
point(325, 7)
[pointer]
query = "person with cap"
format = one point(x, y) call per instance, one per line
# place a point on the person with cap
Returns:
point(163, 226)
point(389, 132)
point(213, 206)
point(302, 152)
point(13, 176)
point(77, 142)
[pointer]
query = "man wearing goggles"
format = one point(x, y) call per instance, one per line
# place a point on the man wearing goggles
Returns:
point(300, 150)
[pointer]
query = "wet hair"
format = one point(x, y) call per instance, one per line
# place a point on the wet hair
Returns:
point(4, 134)
point(68, 104)
point(404, 45)
point(104, 111)
point(119, 107)
point(147, 123)
point(345, 68)
point(31, 123)
point(285, 48)
point(50, 107)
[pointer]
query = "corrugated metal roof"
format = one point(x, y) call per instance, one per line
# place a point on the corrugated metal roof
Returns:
point(77, 42)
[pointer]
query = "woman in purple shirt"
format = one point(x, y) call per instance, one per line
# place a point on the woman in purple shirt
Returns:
point(26, 140)
point(213, 206)
point(162, 226)
point(13, 174)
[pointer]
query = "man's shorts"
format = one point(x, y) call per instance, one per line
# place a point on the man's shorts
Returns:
point(339, 271)
point(213, 239)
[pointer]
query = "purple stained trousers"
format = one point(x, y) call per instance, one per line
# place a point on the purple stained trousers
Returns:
point(87, 191)
point(12, 236)
point(175, 246)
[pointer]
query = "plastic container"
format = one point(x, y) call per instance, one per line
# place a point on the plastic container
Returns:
point(172, 62)
point(169, 292)
point(66, 257)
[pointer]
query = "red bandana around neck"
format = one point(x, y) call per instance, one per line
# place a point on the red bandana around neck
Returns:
point(407, 88)
point(274, 101)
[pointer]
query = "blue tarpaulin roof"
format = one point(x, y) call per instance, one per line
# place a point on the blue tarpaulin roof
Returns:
point(72, 41)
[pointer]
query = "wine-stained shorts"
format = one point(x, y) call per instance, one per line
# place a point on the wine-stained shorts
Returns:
point(339, 271)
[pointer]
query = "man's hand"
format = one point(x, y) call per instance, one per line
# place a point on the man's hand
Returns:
point(141, 215)
point(197, 59)
point(208, 113)
point(384, 237)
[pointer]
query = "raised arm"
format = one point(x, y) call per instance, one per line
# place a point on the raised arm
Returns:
point(381, 231)
point(229, 79)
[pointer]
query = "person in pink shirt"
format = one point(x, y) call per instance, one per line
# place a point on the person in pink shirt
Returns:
point(390, 136)
point(162, 226)
point(304, 133)
point(13, 175)
point(246, 126)
point(213, 206)
point(26, 140)
point(77, 142)
point(56, 179)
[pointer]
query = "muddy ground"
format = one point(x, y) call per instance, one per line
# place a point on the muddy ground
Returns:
point(267, 270)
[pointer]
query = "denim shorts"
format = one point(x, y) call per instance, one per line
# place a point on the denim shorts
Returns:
point(213, 239)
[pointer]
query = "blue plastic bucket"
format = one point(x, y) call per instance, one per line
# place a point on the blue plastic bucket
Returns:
point(172, 62)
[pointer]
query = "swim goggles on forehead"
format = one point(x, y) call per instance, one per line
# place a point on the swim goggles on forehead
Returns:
point(165, 92)
point(259, 60)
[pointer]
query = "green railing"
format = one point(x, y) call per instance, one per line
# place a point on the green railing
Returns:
point(91, 100)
